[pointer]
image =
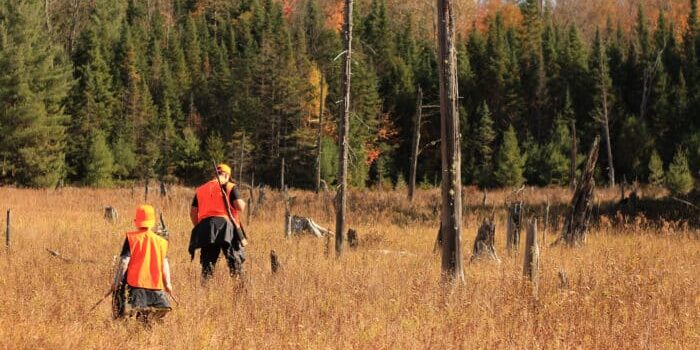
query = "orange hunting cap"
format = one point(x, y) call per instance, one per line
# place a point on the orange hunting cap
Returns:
point(145, 216)
point(223, 168)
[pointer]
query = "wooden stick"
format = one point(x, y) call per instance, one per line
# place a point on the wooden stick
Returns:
point(7, 228)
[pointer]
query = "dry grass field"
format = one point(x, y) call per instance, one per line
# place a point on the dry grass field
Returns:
point(630, 286)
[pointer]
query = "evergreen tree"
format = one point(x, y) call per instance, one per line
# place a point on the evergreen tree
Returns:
point(32, 89)
point(509, 162)
point(656, 169)
point(483, 144)
point(679, 180)
point(99, 163)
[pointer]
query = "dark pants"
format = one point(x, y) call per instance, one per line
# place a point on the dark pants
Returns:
point(209, 255)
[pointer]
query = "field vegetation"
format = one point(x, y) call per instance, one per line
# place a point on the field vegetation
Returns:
point(631, 286)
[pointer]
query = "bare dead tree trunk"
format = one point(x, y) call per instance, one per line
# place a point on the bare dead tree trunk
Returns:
point(451, 158)
point(514, 224)
point(240, 160)
point(343, 131)
point(531, 263)
point(415, 145)
point(8, 233)
point(283, 186)
point(318, 138)
point(572, 173)
point(287, 215)
point(576, 225)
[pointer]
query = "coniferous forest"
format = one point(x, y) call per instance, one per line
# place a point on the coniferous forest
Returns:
point(110, 92)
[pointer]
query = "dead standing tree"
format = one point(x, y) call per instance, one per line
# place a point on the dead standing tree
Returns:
point(451, 223)
point(319, 136)
point(514, 224)
point(578, 217)
point(343, 131)
point(415, 145)
point(531, 264)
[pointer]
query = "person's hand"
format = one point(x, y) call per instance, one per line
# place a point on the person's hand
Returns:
point(169, 288)
point(244, 242)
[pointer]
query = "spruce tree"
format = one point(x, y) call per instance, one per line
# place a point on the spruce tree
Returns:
point(483, 143)
point(509, 162)
point(99, 163)
point(656, 169)
point(679, 180)
point(34, 83)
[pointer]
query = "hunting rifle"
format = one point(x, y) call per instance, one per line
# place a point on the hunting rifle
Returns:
point(238, 231)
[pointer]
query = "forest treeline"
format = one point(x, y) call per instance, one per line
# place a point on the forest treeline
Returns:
point(156, 89)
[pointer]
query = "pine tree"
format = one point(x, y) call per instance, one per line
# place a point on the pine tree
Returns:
point(99, 163)
point(679, 180)
point(656, 169)
point(509, 162)
point(33, 86)
point(483, 144)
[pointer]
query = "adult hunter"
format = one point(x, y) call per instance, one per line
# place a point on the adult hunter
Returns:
point(145, 269)
point(213, 230)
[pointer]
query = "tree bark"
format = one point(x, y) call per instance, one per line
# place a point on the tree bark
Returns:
point(484, 243)
point(343, 131)
point(606, 135)
point(572, 173)
point(283, 186)
point(415, 145)
point(318, 137)
point(450, 146)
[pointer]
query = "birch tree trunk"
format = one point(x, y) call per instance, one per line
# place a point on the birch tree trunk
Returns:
point(606, 135)
point(415, 145)
point(451, 163)
point(343, 131)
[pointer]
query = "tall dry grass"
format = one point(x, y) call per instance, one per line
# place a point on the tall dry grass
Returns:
point(629, 288)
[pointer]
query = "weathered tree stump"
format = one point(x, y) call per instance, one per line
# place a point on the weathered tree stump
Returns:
point(353, 240)
point(111, 214)
point(275, 264)
point(484, 243)
point(563, 280)
point(300, 224)
point(578, 217)
point(515, 218)
point(531, 264)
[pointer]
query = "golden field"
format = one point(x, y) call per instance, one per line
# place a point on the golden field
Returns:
point(630, 287)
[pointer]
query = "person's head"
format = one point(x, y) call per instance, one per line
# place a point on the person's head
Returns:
point(145, 216)
point(223, 171)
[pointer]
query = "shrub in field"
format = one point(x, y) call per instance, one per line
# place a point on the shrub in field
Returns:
point(100, 162)
point(679, 180)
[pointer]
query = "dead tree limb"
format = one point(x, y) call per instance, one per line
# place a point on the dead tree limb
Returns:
point(415, 144)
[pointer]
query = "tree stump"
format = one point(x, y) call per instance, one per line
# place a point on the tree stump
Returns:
point(515, 217)
point(275, 264)
point(563, 280)
point(353, 240)
point(484, 243)
point(111, 214)
point(531, 263)
point(579, 215)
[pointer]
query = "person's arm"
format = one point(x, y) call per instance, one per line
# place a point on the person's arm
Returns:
point(236, 200)
point(239, 204)
point(166, 276)
point(194, 211)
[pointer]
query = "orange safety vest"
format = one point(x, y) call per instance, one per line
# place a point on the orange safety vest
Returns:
point(146, 264)
point(210, 203)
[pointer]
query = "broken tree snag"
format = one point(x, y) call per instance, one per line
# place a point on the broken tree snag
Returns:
point(563, 280)
point(275, 264)
point(415, 144)
point(111, 214)
point(343, 134)
point(531, 263)
point(451, 187)
point(484, 243)
point(163, 189)
point(287, 215)
point(514, 222)
point(353, 241)
point(579, 215)
point(7, 228)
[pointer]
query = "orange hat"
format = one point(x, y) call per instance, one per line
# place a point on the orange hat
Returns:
point(223, 168)
point(145, 216)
